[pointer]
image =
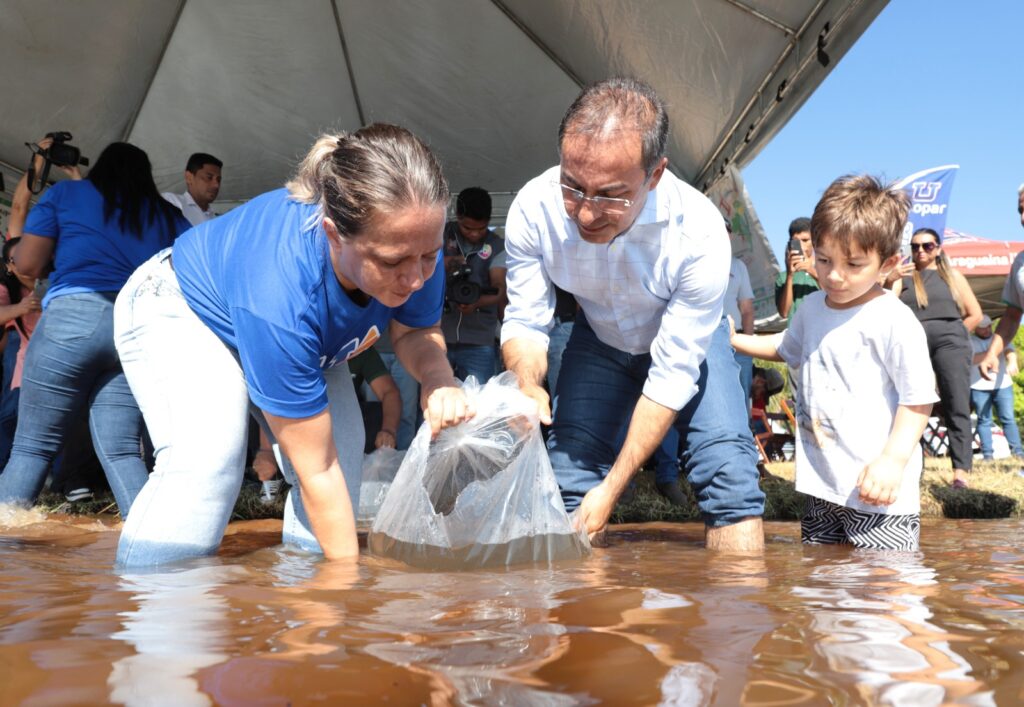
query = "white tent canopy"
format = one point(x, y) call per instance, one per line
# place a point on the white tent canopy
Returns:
point(484, 82)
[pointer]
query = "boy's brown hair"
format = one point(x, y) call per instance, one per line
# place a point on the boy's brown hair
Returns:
point(861, 210)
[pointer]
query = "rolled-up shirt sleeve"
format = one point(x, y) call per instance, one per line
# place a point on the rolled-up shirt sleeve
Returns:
point(693, 313)
point(531, 297)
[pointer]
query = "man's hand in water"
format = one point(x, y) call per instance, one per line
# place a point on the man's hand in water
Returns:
point(594, 512)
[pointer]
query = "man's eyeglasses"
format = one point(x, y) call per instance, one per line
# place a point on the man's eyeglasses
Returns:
point(574, 198)
point(928, 247)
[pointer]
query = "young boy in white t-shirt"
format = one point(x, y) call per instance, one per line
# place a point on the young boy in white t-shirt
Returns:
point(861, 374)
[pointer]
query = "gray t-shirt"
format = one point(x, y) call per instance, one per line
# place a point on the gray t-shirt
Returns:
point(854, 367)
point(738, 289)
point(1013, 290)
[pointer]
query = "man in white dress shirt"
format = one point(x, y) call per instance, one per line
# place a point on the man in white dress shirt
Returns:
point(647, 258)
point(202, 182)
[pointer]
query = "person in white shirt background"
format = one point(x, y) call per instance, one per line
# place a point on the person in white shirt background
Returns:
point(995, 394)
point(647, 258)
point(202, 185)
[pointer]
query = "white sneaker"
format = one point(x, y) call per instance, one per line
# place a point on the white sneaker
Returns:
point(271, 490)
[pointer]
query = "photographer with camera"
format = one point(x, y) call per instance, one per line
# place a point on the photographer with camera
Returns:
point(799, 280)
point(474, 260)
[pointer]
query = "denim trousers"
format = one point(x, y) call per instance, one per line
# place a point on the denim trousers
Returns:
point(558, 337)
point(192, 392)
point(72, 369)
point(472, 360)
point(597, 391)
point(1002, 400)
point(666, 456)
point(409, 389)
point(9, 398)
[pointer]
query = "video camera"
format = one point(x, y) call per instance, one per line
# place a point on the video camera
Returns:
point(460, 289)
point(60, 153)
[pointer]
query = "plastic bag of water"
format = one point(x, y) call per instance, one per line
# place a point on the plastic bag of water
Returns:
point(481, 495)
point(379, 469)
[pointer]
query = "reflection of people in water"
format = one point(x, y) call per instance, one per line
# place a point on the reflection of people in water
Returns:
point(180, 626)
point(874, 627)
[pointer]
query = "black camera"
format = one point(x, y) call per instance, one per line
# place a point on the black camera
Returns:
point(460, 289)
point(61, 153)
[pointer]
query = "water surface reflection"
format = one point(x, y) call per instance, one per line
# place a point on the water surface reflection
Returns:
point(652, 619)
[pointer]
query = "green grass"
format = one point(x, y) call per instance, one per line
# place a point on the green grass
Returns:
point(997, 491)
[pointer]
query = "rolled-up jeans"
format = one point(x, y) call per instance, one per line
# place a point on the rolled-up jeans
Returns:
point(72, 369)
point(597, 391)
point(192, 392)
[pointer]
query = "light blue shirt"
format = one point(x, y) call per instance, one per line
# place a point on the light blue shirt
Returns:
point(657, 288)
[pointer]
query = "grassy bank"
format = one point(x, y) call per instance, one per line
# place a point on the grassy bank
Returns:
point(997, 491)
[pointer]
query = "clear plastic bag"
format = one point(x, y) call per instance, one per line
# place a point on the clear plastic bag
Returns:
point(379, 469)
point(481, 495)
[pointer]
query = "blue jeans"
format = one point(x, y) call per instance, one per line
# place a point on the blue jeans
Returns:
point(1002, 400)
point(71, 369)
point(746, 364)
point(666, 456)
point(469, 360)
point(409, 389)
point(9, 398)
point(599, 387)
point(192, 390)
point(558, 337)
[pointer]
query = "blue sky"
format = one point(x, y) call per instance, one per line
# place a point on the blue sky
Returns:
point(930, 82)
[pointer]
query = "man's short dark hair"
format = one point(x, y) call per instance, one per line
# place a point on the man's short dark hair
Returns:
point(799, 225)
point(198, 159)
point(625, 98)
point(474, 203)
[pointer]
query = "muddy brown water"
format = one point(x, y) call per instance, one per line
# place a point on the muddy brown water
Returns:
point(651, 619)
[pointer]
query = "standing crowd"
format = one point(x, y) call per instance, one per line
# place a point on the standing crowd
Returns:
point(338, 313)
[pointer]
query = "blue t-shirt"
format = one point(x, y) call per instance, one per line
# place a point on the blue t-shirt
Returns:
point(261, 278)
point(92, 254)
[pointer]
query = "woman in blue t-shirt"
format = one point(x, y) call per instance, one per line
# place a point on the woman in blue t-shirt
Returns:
point(265, 305)
point(98, 231)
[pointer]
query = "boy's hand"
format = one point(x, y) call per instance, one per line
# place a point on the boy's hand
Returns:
point(880, 480)
point(732, 327)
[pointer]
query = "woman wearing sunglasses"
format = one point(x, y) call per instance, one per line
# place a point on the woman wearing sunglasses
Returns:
point(947, 308)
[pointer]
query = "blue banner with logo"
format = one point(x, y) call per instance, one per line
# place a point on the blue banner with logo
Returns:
point(929, 192)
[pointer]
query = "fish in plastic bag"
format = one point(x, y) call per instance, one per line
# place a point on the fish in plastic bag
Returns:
point(481, 495)
point(379, 469)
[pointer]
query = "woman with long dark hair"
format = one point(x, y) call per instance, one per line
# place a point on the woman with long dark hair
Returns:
point(947, 308)
point(98, 231)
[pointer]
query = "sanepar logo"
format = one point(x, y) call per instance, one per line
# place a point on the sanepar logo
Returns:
point(928, 209)
point(926, 191)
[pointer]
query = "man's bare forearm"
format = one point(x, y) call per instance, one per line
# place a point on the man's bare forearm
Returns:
point(650, 423)
point(527, 358)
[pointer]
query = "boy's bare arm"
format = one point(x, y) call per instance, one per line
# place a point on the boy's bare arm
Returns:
point(879, 482)
point(762, 347)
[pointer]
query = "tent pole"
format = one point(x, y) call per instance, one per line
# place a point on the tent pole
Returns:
point(788, 31)
point(539, 44)
point(149, 85)
point(348, 63)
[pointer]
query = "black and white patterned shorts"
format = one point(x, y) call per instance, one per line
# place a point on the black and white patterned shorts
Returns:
point(827, 523)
